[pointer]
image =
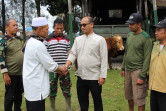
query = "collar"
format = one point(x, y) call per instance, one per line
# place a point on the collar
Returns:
point(35, 36)
point(157, 42)
point(56, 36)
point(138, 33)
point(7, 37)
point(90, 35)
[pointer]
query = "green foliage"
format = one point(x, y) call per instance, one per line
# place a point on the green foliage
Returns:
point(57, 7)
point(112, 95)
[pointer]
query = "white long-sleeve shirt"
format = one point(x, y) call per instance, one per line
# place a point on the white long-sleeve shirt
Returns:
point(91, 54)
point(36, 67)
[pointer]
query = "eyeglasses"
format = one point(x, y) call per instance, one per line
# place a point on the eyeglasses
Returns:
point(84, 25)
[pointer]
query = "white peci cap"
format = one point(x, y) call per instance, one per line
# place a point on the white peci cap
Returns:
point(39, 21)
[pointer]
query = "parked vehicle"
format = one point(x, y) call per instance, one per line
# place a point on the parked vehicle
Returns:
point(110, 15)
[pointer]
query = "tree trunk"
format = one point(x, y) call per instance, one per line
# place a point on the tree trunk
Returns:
point(38, 7)
point(3, 17)
point(23, 19)
point(66, 21)
point(85, 8)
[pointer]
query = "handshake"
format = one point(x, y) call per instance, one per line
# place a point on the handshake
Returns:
point(63, 70)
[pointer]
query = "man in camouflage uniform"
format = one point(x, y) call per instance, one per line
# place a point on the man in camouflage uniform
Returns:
point(11, 62)
point(58, 45)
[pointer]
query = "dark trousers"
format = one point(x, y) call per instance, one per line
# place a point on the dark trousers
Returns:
point(157, 101)
point(35, 105)
point(83, 88)
point(13, 93)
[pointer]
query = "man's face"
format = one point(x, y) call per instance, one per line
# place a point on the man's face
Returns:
point(134, 27)
point(12, 28)
point(58, 28)
point(160, 34)
point(44, 31)
point(86, 27)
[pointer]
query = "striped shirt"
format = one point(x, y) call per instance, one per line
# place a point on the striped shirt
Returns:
point(58, 46)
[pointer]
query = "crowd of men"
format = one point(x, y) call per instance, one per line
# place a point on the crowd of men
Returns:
point(35, 67)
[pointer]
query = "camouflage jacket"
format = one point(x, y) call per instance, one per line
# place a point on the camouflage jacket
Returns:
point(11, 57)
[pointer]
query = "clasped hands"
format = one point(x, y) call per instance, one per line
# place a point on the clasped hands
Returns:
point(63, 70)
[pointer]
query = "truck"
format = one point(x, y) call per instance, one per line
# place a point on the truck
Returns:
point(110, 15)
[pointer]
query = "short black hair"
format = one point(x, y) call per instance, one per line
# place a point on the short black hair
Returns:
point(58, 21)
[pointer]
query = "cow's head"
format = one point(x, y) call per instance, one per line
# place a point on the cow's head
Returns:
point(119, 42)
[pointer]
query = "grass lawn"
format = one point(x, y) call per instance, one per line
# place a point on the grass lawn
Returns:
point(112, 95)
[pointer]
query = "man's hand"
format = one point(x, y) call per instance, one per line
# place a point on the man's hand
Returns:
point(139, 81)
point(62, 70)
point(123, 73)
point(101, 81)
point(68, 63)
point(7, 78)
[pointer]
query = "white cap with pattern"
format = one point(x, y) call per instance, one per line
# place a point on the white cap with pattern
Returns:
point(39, 21)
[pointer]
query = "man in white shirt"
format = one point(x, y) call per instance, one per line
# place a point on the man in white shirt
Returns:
point(90, 50)
point(36, 67)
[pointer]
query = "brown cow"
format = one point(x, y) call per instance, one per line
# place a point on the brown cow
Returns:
point(114, 44)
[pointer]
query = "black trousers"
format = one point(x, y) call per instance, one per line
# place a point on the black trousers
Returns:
point(35, 105)
point(157, 101)
point(13, 93)
point(83, 88)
